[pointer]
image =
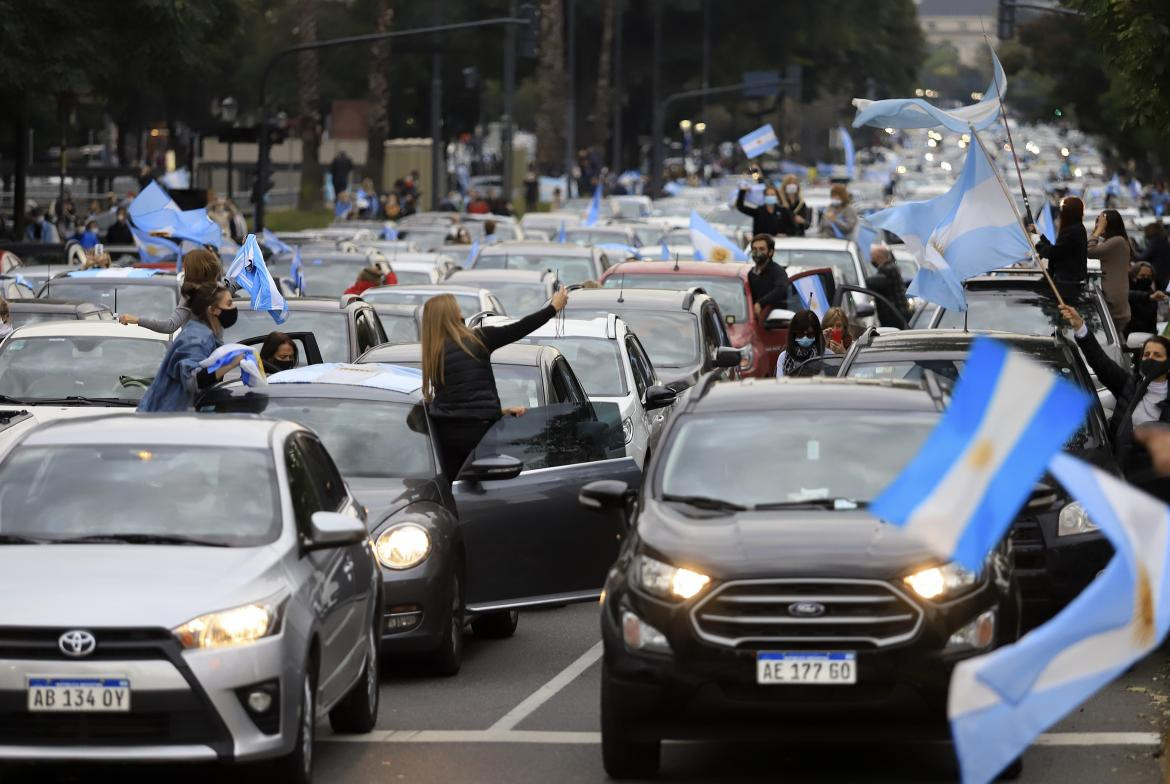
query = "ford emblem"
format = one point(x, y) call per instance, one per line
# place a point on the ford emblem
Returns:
point(806, 609)
point(77, 643)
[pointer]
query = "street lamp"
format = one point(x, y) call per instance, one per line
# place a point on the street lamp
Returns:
point(700, 128)
point(684, 126)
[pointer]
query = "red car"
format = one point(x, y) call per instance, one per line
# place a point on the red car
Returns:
point(728, 286)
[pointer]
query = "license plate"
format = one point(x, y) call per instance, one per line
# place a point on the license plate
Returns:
point(801, 668)
point(78, 695)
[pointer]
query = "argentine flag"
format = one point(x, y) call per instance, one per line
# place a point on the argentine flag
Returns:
point(710, 245)
point(1007, 418)
point(917, 113)
point(251, 369)
point(394, 378)
point(594, 213)
point(152, 250)
point(969, 230)
point(847, 148)
point(274, 243)
point(1000, 702)
point(759, 141)
point(1044, 224)
point(155, 212)
point(812, 294)
point(251, 273)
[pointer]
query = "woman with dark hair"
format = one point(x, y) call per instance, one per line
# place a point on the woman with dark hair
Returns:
point(805, 342)
point(1143, 299)
point(1142, 398)
point(278, 353)
point(1068, 257)
point(772, 218)
point(1110, 244)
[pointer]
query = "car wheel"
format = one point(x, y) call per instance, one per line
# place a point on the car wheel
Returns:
point(448, 657)
point(296, 767)
point(623, 758)
point(358, 711)
point(496, 625)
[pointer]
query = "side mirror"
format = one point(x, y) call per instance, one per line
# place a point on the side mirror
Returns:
point(330, 529)
point(494, 468)
point(659, 397)
point(779, 318)
point(864, 310)
point(1137, 340)
point(605, 495)
point(727, 357)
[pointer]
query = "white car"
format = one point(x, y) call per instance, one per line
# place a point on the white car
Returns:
point(841, 255)
point(421, 268)
point(65, 369)
point(611, 363)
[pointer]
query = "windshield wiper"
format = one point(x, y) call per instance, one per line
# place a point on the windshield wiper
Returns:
point(17, 539)
point(139, 539)
point(705, 502)
point(12, 401)
point(70, 400)
point(838, 504)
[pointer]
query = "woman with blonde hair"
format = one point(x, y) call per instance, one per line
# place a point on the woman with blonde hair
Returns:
point(199, 266)
point(839, 219)
point(458, 383)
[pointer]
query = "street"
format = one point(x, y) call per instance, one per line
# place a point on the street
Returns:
point(526, 710)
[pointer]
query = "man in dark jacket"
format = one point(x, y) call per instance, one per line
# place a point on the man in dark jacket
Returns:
point(888, 282)
point(119, 231)
point(767, 280)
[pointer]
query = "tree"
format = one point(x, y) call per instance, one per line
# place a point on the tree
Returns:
point(604, 86)
point(551, 87)
point(379, 87)
point(309, 197)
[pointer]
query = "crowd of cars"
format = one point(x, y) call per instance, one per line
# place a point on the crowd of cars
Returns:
point(242, 571)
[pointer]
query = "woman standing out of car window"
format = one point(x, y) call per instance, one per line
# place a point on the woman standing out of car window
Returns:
point(806, 341)
point(1068, 257)
point(180, 376)
point(458, 383)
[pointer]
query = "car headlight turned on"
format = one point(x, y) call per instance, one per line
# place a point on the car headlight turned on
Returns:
point(403, 546)
point(666, 581)
point(628, 429)
point(236, 626)
point(941, 582)
point(1074, 520)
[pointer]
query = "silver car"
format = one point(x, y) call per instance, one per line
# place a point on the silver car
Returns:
point(179, 587)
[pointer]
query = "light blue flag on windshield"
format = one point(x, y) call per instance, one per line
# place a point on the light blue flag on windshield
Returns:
point(1000, 702)
point(1007, 418)
point(22, 281)
point(917, 113)
point(710, 245)
point(473, 254)
point(154, 250)
point(389, 233)
point(274, 243)
point(251, 273)
point(594, 213)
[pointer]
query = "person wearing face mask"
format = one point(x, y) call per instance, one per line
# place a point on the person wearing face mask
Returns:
point(1141, 400)
point(888, 282)
point(1068, 257)
point(278, 353)
point(39, 229)
point(180, 377)
point(839, 219)
point(119, 231)
point(772, 218)
point(1143, 299)
point(767, 280)
point(806, 341)
point(792, 200)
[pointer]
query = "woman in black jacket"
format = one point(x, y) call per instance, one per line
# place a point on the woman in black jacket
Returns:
point(772, 218)
point(458, 383)
point(1068, 257)
point(1143, 300)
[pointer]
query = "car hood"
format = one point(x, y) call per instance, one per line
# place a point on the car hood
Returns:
point(382, 496)
point(96, 585)
point(39, 414)
point(787, 543)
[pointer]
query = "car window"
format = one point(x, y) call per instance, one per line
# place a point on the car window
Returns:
point(400, 328)
point(468, 303)
point(711, 337)
point(557, 435)
point(330, 486)
point(147, 300)
point(569, 270)
point(729, 292)
point(839, 260)
point(595, 361)
point(640, 364)
point(671, 338)
point(330, 328)
point(88, 366)
point(907, 370)
point(519, 299)
point(1024, 312)
point(305, 500)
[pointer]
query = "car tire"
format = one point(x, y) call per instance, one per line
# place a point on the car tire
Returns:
point(448, 657)
point(1013, 771)
point(296, 767)
point(624, 758)
point(358, 711)
point(496, 625)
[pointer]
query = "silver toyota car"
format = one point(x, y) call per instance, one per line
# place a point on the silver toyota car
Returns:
point(182, 588)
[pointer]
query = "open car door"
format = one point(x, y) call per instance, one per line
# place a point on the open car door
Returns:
point(307, 349)
point(527, 539)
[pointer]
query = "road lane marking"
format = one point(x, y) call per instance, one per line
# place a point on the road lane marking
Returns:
point(549, 690)
point(542, 737)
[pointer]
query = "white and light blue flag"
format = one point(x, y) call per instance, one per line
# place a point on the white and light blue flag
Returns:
point(759, 141)
point(594, 213)
point(251, 370)
point(665, 251)
point(1044, 224)
point(389, 233)
point(812, 294)
point(153, 250)
point(274, 243)
point(297, 271)
point(394, 378)
point(847, 148)
point(561, 237)
point(251, 273)
point(1007, 418)
point(710, 245)
point(917, 113)
point(155, 212)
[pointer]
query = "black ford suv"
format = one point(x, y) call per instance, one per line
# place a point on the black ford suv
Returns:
point(756, 596)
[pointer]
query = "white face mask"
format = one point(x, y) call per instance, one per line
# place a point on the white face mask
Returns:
point(791, 189)
point(835, 202)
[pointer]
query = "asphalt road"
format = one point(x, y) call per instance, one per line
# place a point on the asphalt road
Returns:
point(526, 710)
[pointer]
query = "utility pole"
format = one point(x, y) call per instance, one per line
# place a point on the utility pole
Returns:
point(437, 168)
point(509, 89)
point(619, 85)
point(571, 104)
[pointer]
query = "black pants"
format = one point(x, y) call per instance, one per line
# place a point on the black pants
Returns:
point(457, 439)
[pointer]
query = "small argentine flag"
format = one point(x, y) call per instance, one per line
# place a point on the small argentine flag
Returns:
point(251, 369)
point(710, 245)
point(1007, 418)
point(251, 273)
point(812, 294)
point(1044, 224)
point(274, 243)
point(759, 141)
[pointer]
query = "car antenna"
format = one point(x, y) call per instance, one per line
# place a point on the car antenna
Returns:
point(676, 261)
point(622, 288)
point(965, 313)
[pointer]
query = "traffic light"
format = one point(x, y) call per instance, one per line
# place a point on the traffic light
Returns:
point(529, 33)
point(1005, 28)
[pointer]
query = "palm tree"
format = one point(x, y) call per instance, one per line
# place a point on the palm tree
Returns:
point(604, 78)
point(379, 87)
point(309, 197)
point(551, 87)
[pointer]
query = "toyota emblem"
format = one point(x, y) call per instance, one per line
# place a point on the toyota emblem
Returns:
point(77, 643)
point(806, 609)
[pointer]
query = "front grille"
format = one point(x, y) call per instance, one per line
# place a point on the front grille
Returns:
point(756, 613)
point(156, 718)
point(112, 644)
point(1028, 545)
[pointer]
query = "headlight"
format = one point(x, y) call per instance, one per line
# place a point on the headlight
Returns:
point(748, 355)
point(666, 581)
point(1074, 520)
point(236, 626)
point(940, 582)
point(403, 546)
point(628, 429)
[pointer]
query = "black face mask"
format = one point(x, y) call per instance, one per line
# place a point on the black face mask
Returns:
point(1153, 368)
point(1145, 283)
point(227, 317)
point(282, 364)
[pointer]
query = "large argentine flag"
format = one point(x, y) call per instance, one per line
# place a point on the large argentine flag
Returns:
point(710, 245)
point(1007, 417)
point(759, 141)
point(251, 273)
point(1000, 702)
point(969, 230)
point(155, 212)
point(152, 250)
point(917, 113)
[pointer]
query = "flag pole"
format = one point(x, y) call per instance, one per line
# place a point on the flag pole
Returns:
point(1019, 218)
point(1011, 144)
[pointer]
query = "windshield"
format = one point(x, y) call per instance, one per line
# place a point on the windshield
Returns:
point(519, 299)
point(596, 237)
point(211, 494)
point(331, 329)
point(1023, 312)
point(751, 459)
point(567, 269)
point(468, 303)
point(517, 385)
point(596, 361)
point(399, 328)
point(840, 260)
point(906, 370)
point(671, 339)
point(97, 367)
point(143, 300)
point(728, 292)
point(323, 277)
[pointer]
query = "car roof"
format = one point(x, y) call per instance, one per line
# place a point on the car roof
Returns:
point(501, 275)
point(597, 327)
point(528, 246)
point(630, 299)
point(154, 278)
point(87, 328)
point(950, 340)
point(816, 393)
point(436, 288)
point(684, 268)
point(813, 243)
point(512, 354)
point(316, 304)
point(242, 431)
